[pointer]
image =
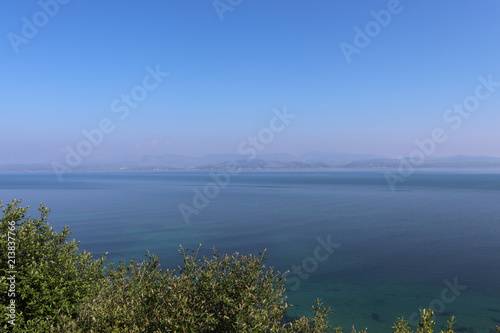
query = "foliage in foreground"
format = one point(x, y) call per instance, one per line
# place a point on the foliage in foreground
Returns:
point(52, 278)
point(59, 289)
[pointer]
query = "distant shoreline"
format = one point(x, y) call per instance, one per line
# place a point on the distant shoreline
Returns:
point(313, 161)
point(332, 168)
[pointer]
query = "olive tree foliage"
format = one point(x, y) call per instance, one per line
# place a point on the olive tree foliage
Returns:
point(224, 293)
point(53, 278)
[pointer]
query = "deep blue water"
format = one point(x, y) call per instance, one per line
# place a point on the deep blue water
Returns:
point(395, 248)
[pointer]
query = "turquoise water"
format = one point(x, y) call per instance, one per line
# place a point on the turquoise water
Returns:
point(393, 249)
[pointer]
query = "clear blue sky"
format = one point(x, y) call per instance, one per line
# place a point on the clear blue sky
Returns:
point(226, 76)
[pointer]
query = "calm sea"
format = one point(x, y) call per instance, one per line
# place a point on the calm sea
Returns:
point(432, 242)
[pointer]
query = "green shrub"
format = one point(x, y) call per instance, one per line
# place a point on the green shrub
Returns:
point(222, 294)
point(227, 293)
point(53, 279)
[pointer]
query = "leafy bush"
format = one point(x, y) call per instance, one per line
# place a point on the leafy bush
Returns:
point(52, 277)
point(59, 289)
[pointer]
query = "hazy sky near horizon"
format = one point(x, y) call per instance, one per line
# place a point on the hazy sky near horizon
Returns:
point(359, 77)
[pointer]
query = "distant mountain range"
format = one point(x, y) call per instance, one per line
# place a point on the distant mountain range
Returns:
point(313, 160)
point(208, 161)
